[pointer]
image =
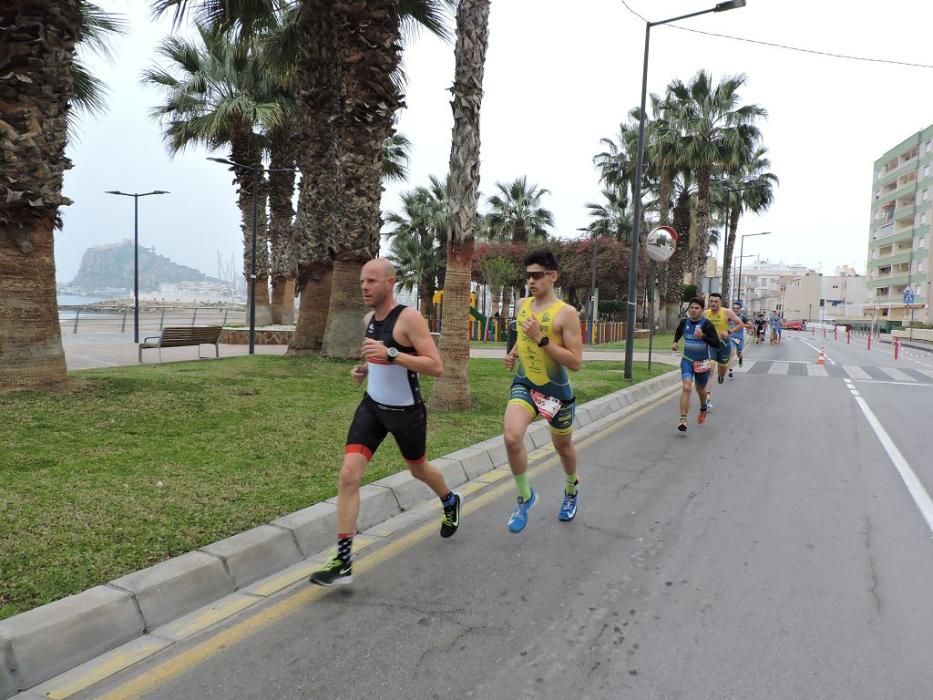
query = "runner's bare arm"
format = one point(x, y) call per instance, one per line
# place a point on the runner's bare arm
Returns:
point(415, 328)
point(571, 355)
point(359, 372)
point(509, 359)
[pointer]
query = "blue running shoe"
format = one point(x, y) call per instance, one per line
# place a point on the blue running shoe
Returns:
point(519, 517)
point(568, 506)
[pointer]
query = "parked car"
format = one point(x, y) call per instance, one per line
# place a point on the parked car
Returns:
point(795, 325)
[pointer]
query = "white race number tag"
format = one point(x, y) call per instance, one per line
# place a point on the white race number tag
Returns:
point(701, 366)
point(548, 406)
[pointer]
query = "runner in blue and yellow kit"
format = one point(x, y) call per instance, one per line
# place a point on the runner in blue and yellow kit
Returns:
point(548, 343)
point(720, 318)
point(701, 343)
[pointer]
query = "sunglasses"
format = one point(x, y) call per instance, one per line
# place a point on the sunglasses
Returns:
point(537, 274)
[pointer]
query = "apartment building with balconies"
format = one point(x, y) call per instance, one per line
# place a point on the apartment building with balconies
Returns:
point(900, 230)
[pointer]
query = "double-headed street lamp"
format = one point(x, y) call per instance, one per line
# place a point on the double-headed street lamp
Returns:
point(639, 174)
point(136, 196)
point(256, 170)
point(741, 255)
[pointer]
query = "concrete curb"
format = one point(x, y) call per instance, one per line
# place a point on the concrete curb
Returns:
point(41, 644)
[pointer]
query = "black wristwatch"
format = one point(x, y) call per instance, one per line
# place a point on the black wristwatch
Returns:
point(391, 354)
point(544, 341)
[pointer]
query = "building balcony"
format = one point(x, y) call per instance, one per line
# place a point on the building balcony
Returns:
point(901, 169)
point(899, 192)
point(892, 236)
point(888, 280)
point(891, 259)
point(904, 213)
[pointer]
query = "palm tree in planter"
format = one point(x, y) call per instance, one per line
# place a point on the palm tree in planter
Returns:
point(218, 94)
point(41, 80)
point(452, 389)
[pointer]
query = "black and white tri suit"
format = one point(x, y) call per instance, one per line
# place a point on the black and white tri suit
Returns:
point(392, 402)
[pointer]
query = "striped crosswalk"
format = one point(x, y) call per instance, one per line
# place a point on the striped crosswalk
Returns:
point(900, 375)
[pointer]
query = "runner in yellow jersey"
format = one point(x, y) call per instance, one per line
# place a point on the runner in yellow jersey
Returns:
point(547, 343)
point(720, 319)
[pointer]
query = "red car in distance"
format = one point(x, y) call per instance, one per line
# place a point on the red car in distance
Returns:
point(795, 325)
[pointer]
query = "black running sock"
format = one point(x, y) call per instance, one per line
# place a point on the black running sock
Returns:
point(344, 545)
point(449, 500)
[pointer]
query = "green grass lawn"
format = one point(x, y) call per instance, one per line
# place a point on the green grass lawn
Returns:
point(132, 465)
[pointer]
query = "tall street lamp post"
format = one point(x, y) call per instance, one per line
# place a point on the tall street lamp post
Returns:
point(256, 170)
point(741, 255)
point(591, 311)
point(639, 175)
point(136, 196)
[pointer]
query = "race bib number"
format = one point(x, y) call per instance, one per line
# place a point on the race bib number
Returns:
point(701, 366)
point(547, 406)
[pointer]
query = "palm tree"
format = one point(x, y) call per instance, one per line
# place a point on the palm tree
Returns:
point(750, 187)
point(419, 243)
point(218, 94)
point(452, 390)
point(40, 82)
point(612, 218)
point(716, 130)
point(516, 214)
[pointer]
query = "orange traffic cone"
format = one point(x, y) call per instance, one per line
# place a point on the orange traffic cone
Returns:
point(821, 359)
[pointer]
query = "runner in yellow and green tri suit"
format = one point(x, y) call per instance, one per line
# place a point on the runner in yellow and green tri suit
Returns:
point(720, 319)
point(547, 343)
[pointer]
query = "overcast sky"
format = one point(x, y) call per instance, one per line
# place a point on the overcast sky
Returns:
point(557, 80)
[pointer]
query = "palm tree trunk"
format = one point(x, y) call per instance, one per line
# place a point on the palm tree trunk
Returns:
point(664, 203)
point(244, 148)
point(426, 295)
point(678, 264)
point(702, 215)
point(733, 224)
point(281, 223)
point(37, 47)
point(369, 34)
point(452, 390)
point(31, 351)
point(313, 309)
point(318, 81)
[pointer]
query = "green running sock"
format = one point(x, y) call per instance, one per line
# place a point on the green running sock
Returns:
point(524, 490)
point(570, 484)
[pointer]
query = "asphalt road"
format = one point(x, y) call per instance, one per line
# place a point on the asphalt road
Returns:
point(774, 552)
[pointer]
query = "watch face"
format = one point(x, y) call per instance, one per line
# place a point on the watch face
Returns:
point(392, 353)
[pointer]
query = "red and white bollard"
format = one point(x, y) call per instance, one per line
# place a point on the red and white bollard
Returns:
point(897, 347)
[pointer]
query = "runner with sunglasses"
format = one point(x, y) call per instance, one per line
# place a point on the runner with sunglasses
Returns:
point(546, 343)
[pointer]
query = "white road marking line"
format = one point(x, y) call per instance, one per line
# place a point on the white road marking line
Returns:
point(856, 372)
point(884, 381)
point(816, 371)
point(914, 487)
point(926, 372)
point(778, 368)
point(896, 374)
point(746, 365)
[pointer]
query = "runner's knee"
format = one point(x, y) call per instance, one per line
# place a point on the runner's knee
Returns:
point(514, 437)
point(351, 474)
point(419, 470)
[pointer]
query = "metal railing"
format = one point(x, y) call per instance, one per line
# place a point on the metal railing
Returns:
point(152, 318)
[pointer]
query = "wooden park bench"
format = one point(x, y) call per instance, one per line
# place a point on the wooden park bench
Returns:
point(182, 336)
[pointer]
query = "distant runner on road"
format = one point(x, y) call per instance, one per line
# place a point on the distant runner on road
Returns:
point(777, 325)
point(548, 342)
point(397, 347)
point(701, 342)
point(737, 334)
